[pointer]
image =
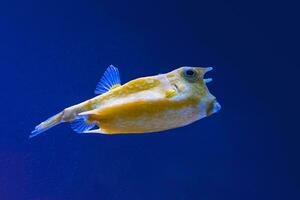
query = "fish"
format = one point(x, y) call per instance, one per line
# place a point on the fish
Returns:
point(143, 105)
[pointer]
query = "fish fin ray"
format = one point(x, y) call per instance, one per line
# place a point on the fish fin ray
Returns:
point(49, 123)
point(81, 125)
point(109, 80)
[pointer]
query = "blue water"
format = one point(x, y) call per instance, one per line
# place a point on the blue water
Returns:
point(52, 54)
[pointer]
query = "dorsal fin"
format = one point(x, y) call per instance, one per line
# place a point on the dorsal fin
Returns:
point(109, 80)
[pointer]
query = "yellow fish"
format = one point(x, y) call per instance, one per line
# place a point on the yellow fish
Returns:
point(148, 104)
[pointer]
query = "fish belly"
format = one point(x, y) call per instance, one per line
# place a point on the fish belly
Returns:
point(146, 116)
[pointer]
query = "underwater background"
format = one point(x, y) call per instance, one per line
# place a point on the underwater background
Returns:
point(52, 54)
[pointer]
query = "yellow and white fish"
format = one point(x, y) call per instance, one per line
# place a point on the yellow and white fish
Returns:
point(148, 104)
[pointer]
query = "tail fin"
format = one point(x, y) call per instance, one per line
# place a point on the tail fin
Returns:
point(49, 123)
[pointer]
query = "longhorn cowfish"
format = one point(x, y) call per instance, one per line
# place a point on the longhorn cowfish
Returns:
point(143, 105)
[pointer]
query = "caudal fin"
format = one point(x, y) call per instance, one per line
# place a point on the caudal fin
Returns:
point(49, 123)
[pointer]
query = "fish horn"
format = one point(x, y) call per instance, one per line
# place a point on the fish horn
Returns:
point(208, 80)
point(208, 69)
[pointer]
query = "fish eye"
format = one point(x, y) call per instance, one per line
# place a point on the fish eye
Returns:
point(190, 74)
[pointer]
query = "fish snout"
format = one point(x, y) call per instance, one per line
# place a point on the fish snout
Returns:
point(213, 107)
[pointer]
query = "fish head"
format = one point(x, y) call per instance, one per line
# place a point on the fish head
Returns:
point(190, 81)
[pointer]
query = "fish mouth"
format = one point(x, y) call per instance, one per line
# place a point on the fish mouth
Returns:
point(216, 107)
point(207, 80)
point(213, 107)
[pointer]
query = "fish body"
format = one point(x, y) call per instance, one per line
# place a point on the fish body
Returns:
point(147, 104)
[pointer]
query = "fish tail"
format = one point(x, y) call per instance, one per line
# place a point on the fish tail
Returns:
point(49, 123)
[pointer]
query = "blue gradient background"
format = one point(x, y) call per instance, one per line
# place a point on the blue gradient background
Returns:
point(52, 54)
